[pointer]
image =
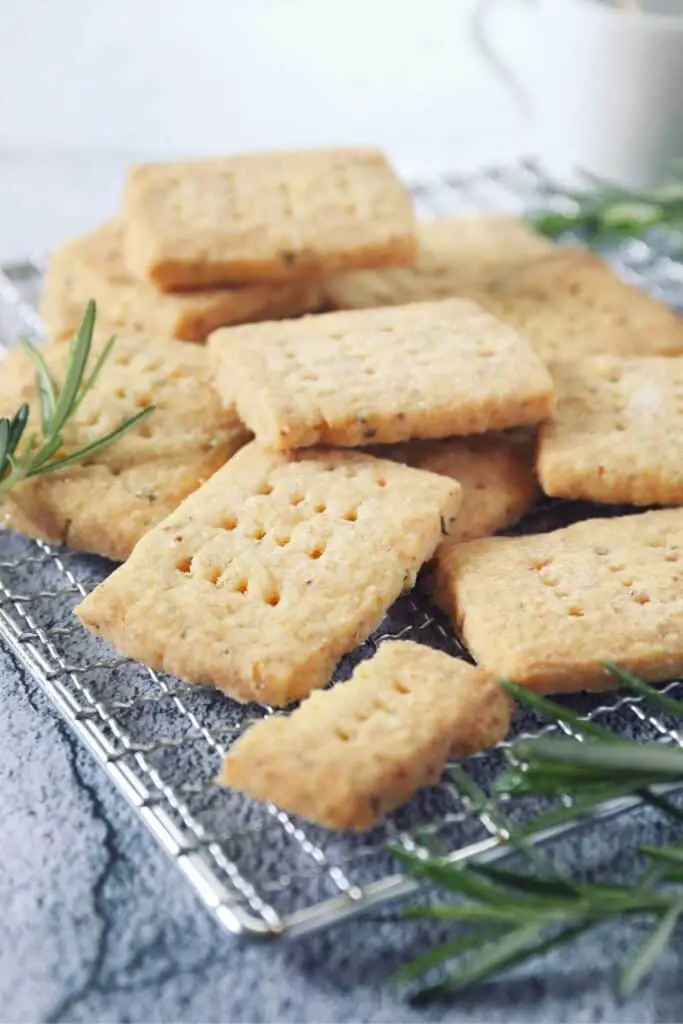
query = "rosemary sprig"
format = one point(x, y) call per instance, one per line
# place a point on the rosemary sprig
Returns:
point(513, 916)
point(24, 455)
point(607, 211)
point(510, 917)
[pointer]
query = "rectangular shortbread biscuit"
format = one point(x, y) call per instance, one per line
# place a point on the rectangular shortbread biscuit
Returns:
point(275, 568)
point(349, 755)
point(616, 431)
point(453, 253)
point(495, 471)
point(92, 267)
point(106, 504)
point(431, 369)
point(548, 610)
point(571, 304)
point(266, 216)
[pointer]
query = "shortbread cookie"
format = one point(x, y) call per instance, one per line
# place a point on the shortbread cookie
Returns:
point(266, 216)
point(349, 755)
point(431, 369)
point(548, 610)
point(571, 304)
point(92, 267)
point(106, 504)
point(495, 471)
point(262, 579)
point(616, 431)
point(453, 253)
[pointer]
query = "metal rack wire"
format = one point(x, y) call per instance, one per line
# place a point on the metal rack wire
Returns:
point(259, 871)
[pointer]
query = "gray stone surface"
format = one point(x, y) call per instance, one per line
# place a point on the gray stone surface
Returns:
point(97, 925)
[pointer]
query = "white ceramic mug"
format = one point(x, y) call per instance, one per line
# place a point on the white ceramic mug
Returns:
point(604, 85)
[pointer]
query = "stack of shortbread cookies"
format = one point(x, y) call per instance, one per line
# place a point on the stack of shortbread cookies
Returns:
point(203, 244)
point(297, 473)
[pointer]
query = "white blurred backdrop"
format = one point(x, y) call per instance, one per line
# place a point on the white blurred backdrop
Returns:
point(89, 85)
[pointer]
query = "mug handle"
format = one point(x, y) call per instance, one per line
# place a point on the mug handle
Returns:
point(480, 34)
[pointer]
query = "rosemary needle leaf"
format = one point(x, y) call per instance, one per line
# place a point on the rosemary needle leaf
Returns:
point(491, 901)
point(39, 453)
point(480, 802)
point(669, 854)
point(448, 876)
point(550, 709)
point(526, 883)
point(674, 707)
point(46, 452)
point(646, 956)
point(100, 443)
point(512, 948)
point(578, 808)
point(606, 211)
point(447, 911)
point(17, 427)
point(99, 363)
point(514, 916)
point(511, 912)
point(674, 877)
point(554, 223)
point(467, 787)
point(615, 759)
point(662, 804)
point(78, 358)
point(5, 436)
point(632, 215)
point(46, 386)
point(424, 962)
point(606, 900)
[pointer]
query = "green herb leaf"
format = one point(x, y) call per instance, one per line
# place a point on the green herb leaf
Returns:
point(669, 854)
point(550, 709)
point(5, 436)
point(78, 359)
point(507, 912)
point(95, 372)
point(606, 761)
point(448, 876)
point(498, 955)
point(39, 455)
point(525, 883)
point(531, 911)
point(626, 678)
point(46, 452)
point(579, 807)
point(426, 961)
point(646, 956)
point(102, 442)
point(44, 382)
point(662, 804)
point(17, 427)
point(606, 211)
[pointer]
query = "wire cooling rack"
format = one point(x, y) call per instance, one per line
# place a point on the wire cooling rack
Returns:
point(259, 871)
